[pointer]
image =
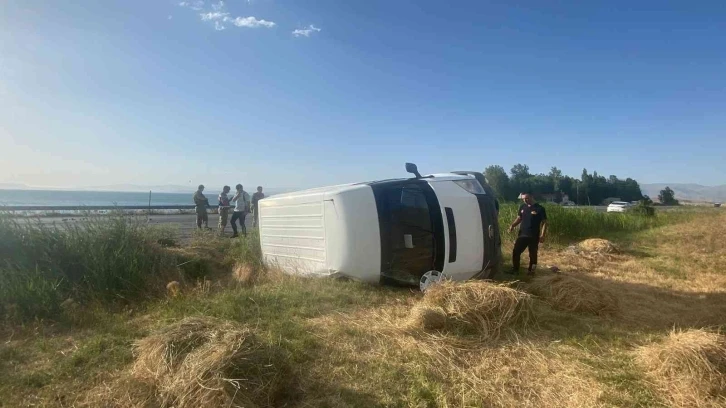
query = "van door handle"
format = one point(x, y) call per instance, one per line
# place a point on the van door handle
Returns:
point(491, 232)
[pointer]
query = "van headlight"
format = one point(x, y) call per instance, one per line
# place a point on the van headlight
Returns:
point(471, 186)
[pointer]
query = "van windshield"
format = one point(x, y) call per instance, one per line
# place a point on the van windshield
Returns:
point(408, 233)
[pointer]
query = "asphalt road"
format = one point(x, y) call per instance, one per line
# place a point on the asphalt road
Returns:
point(187, 223)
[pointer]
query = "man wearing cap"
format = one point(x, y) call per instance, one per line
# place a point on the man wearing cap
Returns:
point(201, 203)
point(532, 221)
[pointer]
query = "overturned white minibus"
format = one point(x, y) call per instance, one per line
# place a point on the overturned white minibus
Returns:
point(389, 231)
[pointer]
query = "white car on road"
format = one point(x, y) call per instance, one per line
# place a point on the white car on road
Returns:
point(619, 206)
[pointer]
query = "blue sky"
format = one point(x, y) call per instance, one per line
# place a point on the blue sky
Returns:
point(293, 94)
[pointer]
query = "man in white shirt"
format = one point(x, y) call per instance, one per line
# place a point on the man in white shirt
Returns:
point(241, 202)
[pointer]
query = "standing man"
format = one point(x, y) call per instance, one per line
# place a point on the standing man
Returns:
point(532, 221)
point(223, 208)
point(241, 207)
point(201, 203)
point(256, 197)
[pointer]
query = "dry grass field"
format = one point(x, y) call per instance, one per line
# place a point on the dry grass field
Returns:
point(635, 323)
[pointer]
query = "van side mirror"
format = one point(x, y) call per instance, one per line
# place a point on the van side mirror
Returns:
point(411, 168)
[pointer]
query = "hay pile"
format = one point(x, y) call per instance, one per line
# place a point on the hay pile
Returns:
point(124, 391)
point(597, 246)
point(565, 292)
point(689, 367)
point(426, 317)
point(244, 274)
point(205, 362)
point(173, 288)
point(526, 375)
point(482, 307)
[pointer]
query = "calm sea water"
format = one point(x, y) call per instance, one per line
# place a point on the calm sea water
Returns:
point(73, 198)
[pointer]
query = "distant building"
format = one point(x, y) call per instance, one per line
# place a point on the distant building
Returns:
point(551, 197)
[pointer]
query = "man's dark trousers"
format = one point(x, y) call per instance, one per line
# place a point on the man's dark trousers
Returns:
point(532, 243)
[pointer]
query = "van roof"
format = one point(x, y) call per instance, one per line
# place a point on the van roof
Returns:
point(321, 190)
point(354, 186)
point(429, 177)
point(451, 176)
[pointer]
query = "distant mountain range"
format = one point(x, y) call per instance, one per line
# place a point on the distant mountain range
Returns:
point(114, 187)
point(687, 191)
point(167, 188)
point(13, 186)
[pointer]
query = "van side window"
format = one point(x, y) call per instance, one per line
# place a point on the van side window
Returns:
point(414, 211)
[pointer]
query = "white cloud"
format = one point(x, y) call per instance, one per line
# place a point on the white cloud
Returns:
point(214, 16)
point(252, 22)
point(194, 4)
point(305, 32)
point(220, 16)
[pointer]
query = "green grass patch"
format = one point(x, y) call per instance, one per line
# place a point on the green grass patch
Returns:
point(102, 259)
point(566, 225)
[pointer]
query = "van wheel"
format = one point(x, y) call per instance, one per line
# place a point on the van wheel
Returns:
point(430, 278)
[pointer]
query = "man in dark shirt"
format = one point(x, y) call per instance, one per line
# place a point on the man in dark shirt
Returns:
point(201, 203)
point(532, 221)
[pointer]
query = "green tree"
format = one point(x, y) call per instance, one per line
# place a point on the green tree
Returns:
point(567, 186)
point(520, 179)
point(556, 176)
point(583, 187)
point(629, 190)
point(587, 189)
point(667, 197)
point(520, 172)
point(499, 181)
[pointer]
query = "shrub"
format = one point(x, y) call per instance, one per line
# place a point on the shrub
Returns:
point(643, 208)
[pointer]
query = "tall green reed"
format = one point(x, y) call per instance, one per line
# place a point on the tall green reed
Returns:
point(101, 259)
